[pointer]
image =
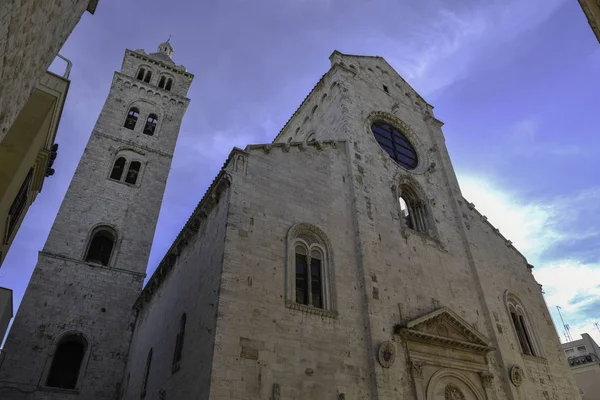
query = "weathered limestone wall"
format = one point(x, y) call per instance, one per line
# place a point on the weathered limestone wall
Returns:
point(260, 342)
point(503, 270)
point(66, 295)
point(191, 286)
point(31, 35)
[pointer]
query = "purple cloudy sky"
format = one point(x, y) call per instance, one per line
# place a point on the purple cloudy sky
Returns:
point(516, 83)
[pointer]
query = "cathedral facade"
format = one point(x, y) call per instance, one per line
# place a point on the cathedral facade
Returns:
point(340, 261)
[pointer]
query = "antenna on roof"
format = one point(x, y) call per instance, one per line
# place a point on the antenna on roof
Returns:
point(567, 329)
point(169, 39)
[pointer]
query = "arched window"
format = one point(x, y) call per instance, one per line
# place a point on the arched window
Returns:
point(132, 117)
point(146, 373)
point(523, 329)
point(179, 344)
point(413, 211)
point(66, 363)
point(118, 168)
point(141, 73)
point(132, 173)
point(311, 138)
point(309, 281)
point(148, 76)
point(161, 82)
point(150, 124)
point(169, 84)
point(101, 246)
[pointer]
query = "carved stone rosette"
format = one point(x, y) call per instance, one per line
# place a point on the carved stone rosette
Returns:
point(516, 375)
point(386, 354)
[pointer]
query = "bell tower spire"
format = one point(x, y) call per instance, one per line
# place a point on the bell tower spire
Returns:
point(72, 331)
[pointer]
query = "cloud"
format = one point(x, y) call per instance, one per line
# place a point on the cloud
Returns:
point(537, 227)
point(524, 139)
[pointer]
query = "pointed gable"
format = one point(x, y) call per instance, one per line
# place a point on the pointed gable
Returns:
point(375, 64)
point(444, 327)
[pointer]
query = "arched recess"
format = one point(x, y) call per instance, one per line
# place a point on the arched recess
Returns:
point(128, 166)
point(145, 108)
point(414, 211)
point(522, 326)
point(437, 388)
point(101, 245)
point(306, 242)
point(67, 361)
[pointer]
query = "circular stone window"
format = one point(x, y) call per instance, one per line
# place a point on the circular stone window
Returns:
point(395, 144)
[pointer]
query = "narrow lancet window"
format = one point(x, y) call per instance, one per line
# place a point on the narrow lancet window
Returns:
point(148, 77)
point(118, 168)
point(169, 84)
point(66, 363)
point(413, 211)
point(150, 124)
point(161, 82)
point(133, 172)
point(141, 73)
point(100, 248)
point(179, 343)
point(301, 272)
point(132, 117)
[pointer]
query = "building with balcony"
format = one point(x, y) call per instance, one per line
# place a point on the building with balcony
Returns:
point(583, 356)
point(28, 151)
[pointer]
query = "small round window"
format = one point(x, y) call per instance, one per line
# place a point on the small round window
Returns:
point(395, 144)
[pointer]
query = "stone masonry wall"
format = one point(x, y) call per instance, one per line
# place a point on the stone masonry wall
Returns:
point(261, 343)
point(192, 286)
point(31, 35)
point(70, 296)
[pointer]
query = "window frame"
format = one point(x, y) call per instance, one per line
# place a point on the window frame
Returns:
point(50, 358)
point(93, 232)
point(154, 121)
point(146, 375)
point(179, 343)
point(311, 238)
point(514, 304)
point(130, 157)
point(131, 107)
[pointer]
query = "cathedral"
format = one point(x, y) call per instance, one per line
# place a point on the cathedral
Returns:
point(340, 261)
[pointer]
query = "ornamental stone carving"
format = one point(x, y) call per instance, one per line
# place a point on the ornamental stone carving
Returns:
point(417, 368)
point(386, 354)
point(452, 392)
point(516, 375)
point(486, 379)
point(276, 392)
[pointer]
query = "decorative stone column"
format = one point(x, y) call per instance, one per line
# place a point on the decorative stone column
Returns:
point(487, 380)
point(417, 374)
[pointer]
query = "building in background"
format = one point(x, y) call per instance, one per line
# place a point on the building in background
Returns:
point(28, 152)
point(31, 34)
point(584, 358)
point(591, 8)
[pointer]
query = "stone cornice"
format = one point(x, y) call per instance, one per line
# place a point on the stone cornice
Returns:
point(177, 69)
point(443, 341)
point(446, 314)
point(92, 265)
point(132, 144)
point(210, 199)
point(508, 243)
point(302, 146)
point(151, 89)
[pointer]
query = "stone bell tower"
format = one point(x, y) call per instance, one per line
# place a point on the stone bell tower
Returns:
point(72, 331)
